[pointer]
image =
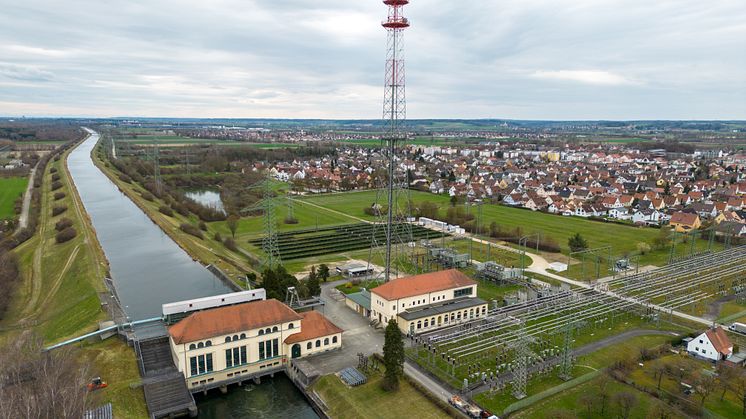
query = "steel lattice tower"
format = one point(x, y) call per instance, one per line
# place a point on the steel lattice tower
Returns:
point(397, 229)
point(268, 205)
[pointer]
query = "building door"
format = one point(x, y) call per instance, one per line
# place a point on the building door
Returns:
point(296, 351)
point(411, 329)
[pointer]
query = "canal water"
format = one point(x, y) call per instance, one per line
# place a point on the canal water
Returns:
point(150, 269)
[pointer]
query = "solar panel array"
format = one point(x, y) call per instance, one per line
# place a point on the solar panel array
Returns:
point(352, 377)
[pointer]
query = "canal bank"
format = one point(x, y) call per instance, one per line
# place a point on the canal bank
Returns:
point(148, 269)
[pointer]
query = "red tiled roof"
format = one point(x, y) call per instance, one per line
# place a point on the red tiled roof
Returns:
point(423, 284)
point(720, 340)
point(684, 218)
point(230, 319)
point(313, 325)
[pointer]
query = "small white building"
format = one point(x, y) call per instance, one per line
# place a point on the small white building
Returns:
point(713, 344)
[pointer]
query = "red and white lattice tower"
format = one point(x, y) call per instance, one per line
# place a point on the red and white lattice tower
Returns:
point(398, 232)
point(394, 103)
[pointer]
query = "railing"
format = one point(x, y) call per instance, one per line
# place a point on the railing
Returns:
point(102, 331)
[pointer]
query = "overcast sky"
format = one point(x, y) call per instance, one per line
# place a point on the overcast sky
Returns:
point(522, 59)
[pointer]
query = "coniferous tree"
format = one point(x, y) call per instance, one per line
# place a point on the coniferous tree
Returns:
point(393, 356)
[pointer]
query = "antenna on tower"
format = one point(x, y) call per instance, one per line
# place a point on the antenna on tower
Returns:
point(395, 219)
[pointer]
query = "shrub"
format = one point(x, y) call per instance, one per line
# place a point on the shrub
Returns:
point(124, 178)
point(147, 196)
point(63, 224)
point(56, 177)
point(66, 235)
point(291, 220)
point(190, 229)
point(53, 170)
point(59, 195)
point(57, 158)
point(180, 209)
point(218, 237)
point(166, 210)
point(230, 244)
point(59, 209)
point(202, 226)
point(56, 185)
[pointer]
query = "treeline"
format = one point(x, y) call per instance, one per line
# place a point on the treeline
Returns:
point(40, 130)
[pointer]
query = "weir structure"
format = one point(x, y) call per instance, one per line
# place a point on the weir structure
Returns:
point(395, 218)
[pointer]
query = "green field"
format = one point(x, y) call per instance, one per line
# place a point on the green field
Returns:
point(166, 140)
point(622, 238)
point(371, 401)
point(10, 189)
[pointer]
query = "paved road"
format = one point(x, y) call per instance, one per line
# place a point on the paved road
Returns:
point(23, 219)
point(433, 386)
point(358, 335)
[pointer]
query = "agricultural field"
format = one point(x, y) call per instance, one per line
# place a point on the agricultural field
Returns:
point(164, 140)
point(10, 189)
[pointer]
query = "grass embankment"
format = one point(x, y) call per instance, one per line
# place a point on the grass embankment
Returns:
point(11, 188)
point(58, 298)
point(371, 401)
point(206, 250)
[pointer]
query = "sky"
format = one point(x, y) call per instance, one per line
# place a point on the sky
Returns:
point(511, 59)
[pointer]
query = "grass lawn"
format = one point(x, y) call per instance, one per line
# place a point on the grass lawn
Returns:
point(10, 189)
point(115, 363)
point(622, 238)
point(371, 401)
point(729, 407)
point(569, 401)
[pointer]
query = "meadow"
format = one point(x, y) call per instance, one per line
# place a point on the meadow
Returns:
point(10, 189)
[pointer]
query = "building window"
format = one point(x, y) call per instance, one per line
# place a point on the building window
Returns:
point(261, 332)
point(334, 339)
point(193, 366)
point(426, 323)
point(318, 343)
point(275, 329)
point(244, 359)
point(192, 347)
point(261, 350)
point(326, 341)
point(275, 346)
point(200, 345)
point(309, 345)
point(267, 330)
point(462, 292)
point(208, 343)
point(227, 339)
point(419, 324)
point(200, 364)
point(291, 326)
point(243, 336)
point(484, 310)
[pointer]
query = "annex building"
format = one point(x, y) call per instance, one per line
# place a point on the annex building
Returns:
point(427, 301)
point(233, 343)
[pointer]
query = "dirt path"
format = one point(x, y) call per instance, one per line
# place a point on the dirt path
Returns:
point(23, 219)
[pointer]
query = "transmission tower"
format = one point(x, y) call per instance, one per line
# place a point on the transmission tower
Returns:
point(566, 361)
point(523, 354)
point(267, 205)
point(398, 232)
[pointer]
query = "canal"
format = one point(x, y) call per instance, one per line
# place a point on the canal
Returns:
point(149, 269)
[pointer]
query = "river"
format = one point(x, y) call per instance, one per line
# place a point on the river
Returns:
point(149, 269)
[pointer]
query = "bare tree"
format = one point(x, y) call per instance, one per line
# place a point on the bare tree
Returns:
point(661, 411)
point(659, 370)
point(589, 401)
point(726, 378)
point(705, 385)
point(625, 401)
point(39, 384)
point(604, 389)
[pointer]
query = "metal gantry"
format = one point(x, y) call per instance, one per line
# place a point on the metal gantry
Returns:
point(267, 205)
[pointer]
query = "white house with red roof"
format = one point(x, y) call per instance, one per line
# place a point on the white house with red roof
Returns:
point(713, 344)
